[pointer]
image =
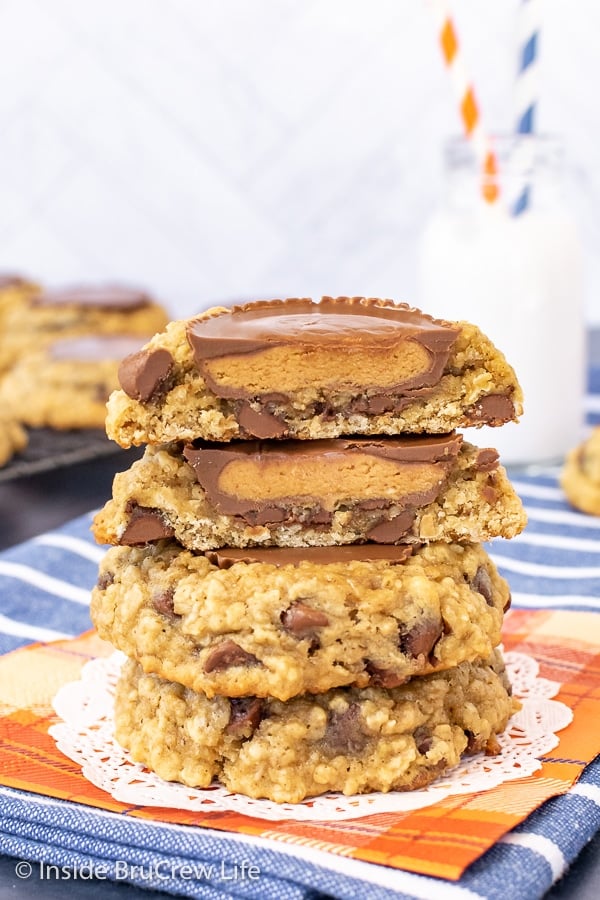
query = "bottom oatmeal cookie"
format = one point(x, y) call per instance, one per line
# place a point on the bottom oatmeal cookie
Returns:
point(347, 739)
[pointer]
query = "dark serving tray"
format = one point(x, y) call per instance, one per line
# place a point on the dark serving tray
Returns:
point(48, 449)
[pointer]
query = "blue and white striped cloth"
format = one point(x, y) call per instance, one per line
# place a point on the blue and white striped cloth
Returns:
point(44, 594)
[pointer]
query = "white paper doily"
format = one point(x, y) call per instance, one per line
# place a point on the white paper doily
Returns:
point(86, 736)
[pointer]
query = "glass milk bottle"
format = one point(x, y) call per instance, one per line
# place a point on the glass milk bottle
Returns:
point(514, 268)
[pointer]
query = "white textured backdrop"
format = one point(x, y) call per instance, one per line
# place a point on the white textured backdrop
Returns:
point(224, 149)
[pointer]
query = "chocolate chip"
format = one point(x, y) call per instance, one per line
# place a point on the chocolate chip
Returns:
point(423, 739)
point(482, 584)
point(421, 638)
point(266, 515)
point(227, 654)
point(489, 494)
point(344, 733)
point(385, 678)
point(473, 743)
point(495, 409)
point(388, 531)
point(163, 603)
point(142, 375)
point(145, 524)
point(508, 603)
point(302, 620)
point(105, 579)
point(245, 715)
point(486, 460)
point(259, 423)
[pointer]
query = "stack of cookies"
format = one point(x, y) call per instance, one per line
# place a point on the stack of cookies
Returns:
point(297, 576)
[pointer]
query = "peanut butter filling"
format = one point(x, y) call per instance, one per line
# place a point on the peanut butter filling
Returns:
point(330, 480)
point(286, 370)
point(248, 477)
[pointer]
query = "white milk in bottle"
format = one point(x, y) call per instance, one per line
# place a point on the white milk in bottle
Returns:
point(519, 278)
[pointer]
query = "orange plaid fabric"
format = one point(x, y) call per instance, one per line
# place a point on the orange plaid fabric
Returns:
point(440, 840)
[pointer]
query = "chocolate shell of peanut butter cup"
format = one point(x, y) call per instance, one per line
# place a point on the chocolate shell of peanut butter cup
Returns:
point(294, 556)
point(254, 327)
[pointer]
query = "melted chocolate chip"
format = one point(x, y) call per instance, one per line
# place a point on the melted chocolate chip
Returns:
point(302, 620)
point(473, 743)
point(508, 603)
point(421, 638)
point(145, 524)
point(245, 715)
point(388, 531)
point(495, 409)
point(259, 423)
point(143, 375)
point(105, 579)
point(486, 460)
point(163, 603)
point(489, 494)
point(344, 733)
point(385, 678)
point(423, 739)
point(482, 584)
point(228, 654)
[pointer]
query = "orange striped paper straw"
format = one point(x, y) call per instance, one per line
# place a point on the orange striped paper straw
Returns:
point(468, 107)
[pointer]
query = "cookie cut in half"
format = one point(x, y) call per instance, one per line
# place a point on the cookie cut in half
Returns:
point(312, 493)
point(299, 369)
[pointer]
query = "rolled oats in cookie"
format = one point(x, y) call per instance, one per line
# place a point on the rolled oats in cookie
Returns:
point(285, 621)
point(299, 369)
point(349, 740)
point(580, 477)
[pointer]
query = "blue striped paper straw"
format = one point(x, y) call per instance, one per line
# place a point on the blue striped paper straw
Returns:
point(526, 87)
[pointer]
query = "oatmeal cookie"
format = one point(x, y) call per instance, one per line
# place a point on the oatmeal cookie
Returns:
point(347, 740)
point(310, 493)
point(53, 315)
point(280, 622)
point(298, 369)
point(580, 477)
point(66, 384)
point(15, 292)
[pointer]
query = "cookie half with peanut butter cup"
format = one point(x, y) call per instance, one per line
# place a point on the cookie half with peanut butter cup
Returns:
point(279, 621)
point(332, 491)
point(297, 368)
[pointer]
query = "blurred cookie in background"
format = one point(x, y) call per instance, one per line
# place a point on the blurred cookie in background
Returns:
point(15, 291)
point(45, 316)
point(580, 477)
point(65, 384)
